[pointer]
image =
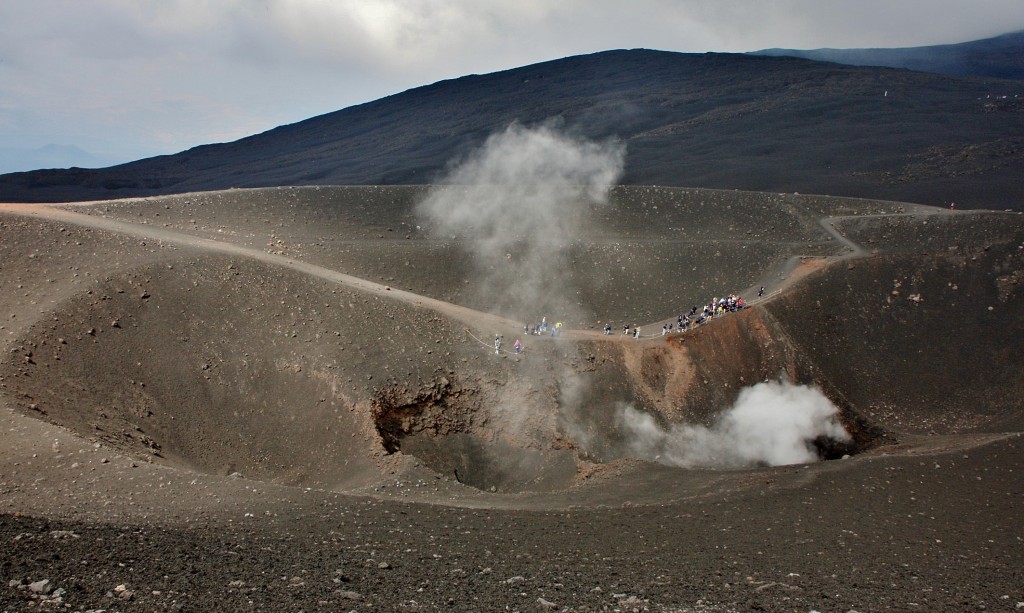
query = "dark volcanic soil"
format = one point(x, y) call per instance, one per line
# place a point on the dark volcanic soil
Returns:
point(259, 400)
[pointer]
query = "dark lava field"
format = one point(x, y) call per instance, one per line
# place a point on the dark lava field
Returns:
point(289, 399)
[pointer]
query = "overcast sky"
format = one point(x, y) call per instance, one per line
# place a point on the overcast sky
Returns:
point(126, 79)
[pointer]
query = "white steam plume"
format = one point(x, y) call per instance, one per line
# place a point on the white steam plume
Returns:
point(771, 423)
point(519, 201)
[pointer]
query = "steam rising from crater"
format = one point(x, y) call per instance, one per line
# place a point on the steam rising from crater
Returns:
point(519, 202)
point(771, 423)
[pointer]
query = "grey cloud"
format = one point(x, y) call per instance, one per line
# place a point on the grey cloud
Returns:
point(146, 77)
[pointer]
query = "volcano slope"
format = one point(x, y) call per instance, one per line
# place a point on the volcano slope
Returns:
point(272, 400)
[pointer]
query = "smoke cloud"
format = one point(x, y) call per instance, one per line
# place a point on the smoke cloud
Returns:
point(772, 423)
point(519, 203)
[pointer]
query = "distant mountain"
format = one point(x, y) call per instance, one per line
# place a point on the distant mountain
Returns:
point(18, 159)
point(701, 120)
point(1001, 57)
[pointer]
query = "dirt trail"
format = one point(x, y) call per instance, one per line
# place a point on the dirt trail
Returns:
point(791, 271)
point(795, 267)
point(468, 316)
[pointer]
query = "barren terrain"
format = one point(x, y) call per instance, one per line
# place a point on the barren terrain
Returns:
point(711, 120)
point(288, 399)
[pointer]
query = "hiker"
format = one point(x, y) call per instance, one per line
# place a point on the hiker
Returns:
point(497, 344)
point(664, 329)
point(607, 329)
point(636, 332)
point(517, 346)
point(558, 329)
point(760, 292)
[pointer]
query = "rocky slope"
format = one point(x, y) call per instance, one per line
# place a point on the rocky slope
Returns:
point(729, 121)
point(259, 399)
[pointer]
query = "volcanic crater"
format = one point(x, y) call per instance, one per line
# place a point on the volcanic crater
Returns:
point(289, 397)
point(184, 347)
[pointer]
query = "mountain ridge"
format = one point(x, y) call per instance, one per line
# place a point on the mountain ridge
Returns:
point(998, 57)
point(727, 121)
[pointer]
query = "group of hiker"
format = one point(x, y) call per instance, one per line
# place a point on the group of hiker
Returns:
point(536, 329)
point(627, 329)
point(696, 316)
point(517, 346)
point(543, 328)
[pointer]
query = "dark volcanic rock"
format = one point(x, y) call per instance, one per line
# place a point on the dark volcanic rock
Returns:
point(264, 432)
point(710, 120)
